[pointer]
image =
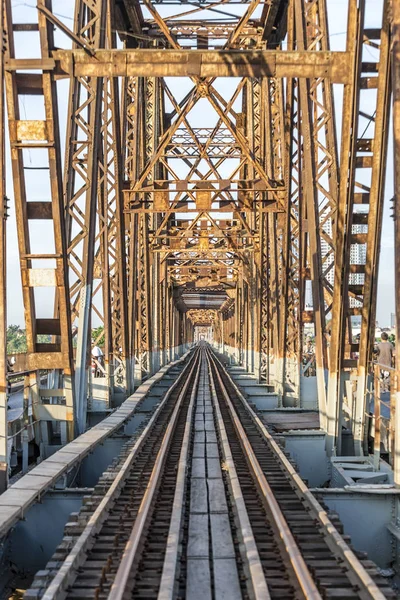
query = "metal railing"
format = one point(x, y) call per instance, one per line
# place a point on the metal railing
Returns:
point(384, 382)
point(20, 427)
point(308, 367)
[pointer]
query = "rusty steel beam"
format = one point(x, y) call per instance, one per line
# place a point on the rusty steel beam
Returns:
point(83, 148)
point(376, 161)
point(347, 151)
point(395, 30)
point(292, 287)
point(310, 161)
point(193, 63)
point(3, 286)
point(362, 178)
point(129, 137)
point(112, 255)
point(271, 234)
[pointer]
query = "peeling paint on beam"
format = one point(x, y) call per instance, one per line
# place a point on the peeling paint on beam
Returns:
point(198, 63)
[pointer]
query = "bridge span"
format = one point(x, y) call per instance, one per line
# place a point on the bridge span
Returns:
point(196, 242)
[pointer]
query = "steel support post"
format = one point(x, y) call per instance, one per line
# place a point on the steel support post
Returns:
point(264, 333)
point(3, 284)
point(292, 295)
point(325, 147)
point(265, 263)
point(166, 326)
point(154, 130)
point(130, 140)
point(252, 110)
point(83, 146)
point(270, 230)
point(310, 192)
point(362, 173)
point(112, 233)
point(395, 7)
point(325, 167)
point(241, 321)
point(376, 163)
point(144, 341)
point(340, 290)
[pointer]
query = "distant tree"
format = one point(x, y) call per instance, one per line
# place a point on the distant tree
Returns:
point(98, 335)
point(16, 339)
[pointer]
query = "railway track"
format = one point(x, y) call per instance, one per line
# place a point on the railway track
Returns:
point(203, 503)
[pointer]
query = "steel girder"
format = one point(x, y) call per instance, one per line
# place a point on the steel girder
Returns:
point(110, 258)
point(3, 286)
point(395, 7)
point(94, 201)
point(83, 150)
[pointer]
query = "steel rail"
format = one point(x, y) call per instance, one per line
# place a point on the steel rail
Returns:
point(67, 572)
point(356, 573)
point(168, 577)
point(125, 569)
point(250, 552)
point(303, 575)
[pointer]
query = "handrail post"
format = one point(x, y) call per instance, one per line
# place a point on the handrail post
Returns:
point(3, 284)
point(396, 430)
point(395, 9)
point(377, 413)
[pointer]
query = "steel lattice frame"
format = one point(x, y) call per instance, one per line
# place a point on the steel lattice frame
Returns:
point(253, 202)
point(41, 138)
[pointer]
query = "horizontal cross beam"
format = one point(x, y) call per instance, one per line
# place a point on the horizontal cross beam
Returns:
point(193, 63)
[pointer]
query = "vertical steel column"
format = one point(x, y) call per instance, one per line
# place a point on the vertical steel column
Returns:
point(3, 282)
point(269, 231)
point(292, 296)
point(251, 116)
point(143, 348)
point(376, 162)
point(264, 300)
point(396, 137)
point(266, 259)
point(310, 158)
point(340, 290)
point(81, 189)
point(325, 147)
point(130, 146)
point(112, 225)
point(154, 129)
point(240, 322)
point(362, 172)
point(255, 281)
point(144, 291)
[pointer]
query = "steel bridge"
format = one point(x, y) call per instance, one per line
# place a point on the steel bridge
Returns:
point(203, 184)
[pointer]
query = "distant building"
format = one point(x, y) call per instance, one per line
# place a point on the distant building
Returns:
point(326, 251)
point(358, 256)
point(392, 320)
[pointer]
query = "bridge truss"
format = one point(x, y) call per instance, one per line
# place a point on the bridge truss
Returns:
point(199, 183)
